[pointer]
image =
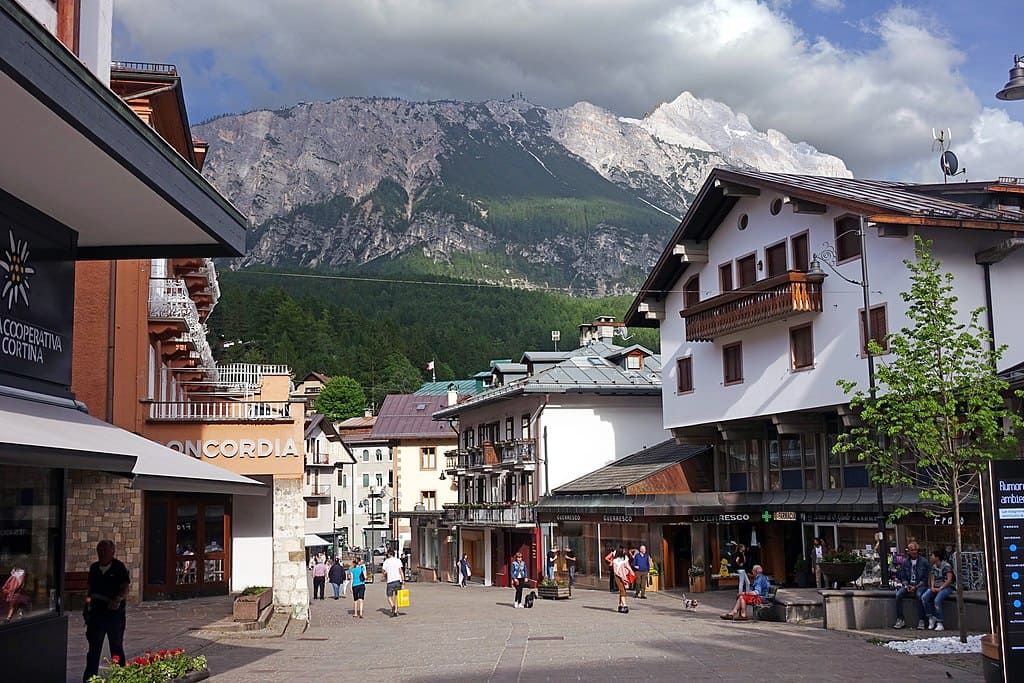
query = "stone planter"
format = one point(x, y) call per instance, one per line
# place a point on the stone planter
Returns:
point(842, 572)
point(553, 592)
point(193, 676)
point(249, 607)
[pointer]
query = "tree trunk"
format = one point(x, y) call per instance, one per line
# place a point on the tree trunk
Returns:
point(961, 608)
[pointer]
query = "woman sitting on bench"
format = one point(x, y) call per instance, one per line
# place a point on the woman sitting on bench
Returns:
point(756, 596)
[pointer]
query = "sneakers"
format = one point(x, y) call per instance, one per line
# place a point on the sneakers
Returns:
point(920, 625)
point(517, 605)
point(899, 623)
point(931, 623)
point(939, 626)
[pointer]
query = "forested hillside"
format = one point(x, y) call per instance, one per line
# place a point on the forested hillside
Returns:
point(384, 332)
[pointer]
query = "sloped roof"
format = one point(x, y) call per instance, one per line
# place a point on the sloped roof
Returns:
point(464, 387)
point(359, 422)
point(409, 416)
point(615, 477)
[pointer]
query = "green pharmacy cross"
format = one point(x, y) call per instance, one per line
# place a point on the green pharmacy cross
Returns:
point(767, 516)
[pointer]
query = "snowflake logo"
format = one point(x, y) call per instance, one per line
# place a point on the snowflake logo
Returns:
point(16, 273)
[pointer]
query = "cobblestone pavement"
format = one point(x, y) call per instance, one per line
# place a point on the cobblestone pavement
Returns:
point(473, 634)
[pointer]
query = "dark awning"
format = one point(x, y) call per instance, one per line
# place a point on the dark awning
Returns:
point(52, 432)
point(76, 152)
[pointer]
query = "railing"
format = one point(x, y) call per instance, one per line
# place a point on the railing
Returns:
point(516, 452)
point(456, 460)
point(169, 298)
point(771, 299)
point(250, 374)
point(317, 459)
point(317, 490)
point(490, 513)
point(213, 411)
point(148, 67)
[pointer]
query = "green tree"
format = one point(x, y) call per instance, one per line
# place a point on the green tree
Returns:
point(940, 413)
point(341, 398)
point(398, 376)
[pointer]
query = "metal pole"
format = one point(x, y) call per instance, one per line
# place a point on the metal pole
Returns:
point(882, 547)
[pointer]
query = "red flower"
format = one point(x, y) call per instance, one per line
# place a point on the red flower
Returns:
point(116, 659)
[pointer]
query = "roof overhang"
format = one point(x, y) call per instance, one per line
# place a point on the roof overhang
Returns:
point(46, 431)
point(76, 152)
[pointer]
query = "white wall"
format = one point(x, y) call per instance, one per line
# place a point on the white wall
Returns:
point(769, 385)
point(252, 547)
point(43, 11)
point(94, 37)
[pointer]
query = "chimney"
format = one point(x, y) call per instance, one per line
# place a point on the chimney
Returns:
point(368, 412)
point(602, 329)
point(453, 396)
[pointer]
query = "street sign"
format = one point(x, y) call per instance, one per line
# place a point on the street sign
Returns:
point(1007, 480)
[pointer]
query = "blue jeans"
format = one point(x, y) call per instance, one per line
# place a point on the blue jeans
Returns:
point(932, 602)
point(902, 593)
point(551, 571)
point(337, 589)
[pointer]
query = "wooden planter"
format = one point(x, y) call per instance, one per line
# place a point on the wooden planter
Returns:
point(654, 583)
point(248, 607)
point(697, 584)
point(842, 572)
point(553, 592)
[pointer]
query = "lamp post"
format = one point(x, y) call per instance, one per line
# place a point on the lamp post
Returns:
point(1014, 88)
point(815, 273)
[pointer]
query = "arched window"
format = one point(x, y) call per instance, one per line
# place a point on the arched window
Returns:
point(366, 455)
point(378, 506)
point(380, 456)
point(691, 292)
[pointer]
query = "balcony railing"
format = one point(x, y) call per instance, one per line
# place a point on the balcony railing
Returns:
point(455, 461)
point(214, 411)
point(516, 452)
point(146, 67)
point(504, 514)
point(249, 374)
point(317, 459)
point(169, 298)
point(317, 491)
point(772, 299)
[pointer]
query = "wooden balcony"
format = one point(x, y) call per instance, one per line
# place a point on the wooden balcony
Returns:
point(763, 302)
point(490, 514)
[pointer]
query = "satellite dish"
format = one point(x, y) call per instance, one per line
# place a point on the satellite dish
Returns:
point(623, 332)
point(950, 164)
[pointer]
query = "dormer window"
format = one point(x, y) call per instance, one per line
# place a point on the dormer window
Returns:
point(634, 361)
point(691, 292)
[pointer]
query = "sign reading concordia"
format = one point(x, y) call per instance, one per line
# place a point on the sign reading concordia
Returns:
point(243, 448)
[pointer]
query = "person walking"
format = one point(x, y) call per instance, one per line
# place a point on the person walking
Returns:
point(609, 560)
point(337, 576)
point(818, 553)
point(105, 607)
point(570, 562)
point(518, 576)
point(739, 561)
point(319, 579)
point(641, 567)
point(621, 571)
point(394, 578)
point(357, 574)
point(464, 571)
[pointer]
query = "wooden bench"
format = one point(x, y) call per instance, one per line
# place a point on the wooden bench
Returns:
point(76, 588)
point(719, 582)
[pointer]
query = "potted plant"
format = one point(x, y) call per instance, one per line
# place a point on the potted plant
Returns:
point(696, 575)
point(553, 589)
point(251, 602)
point(841, 567)
point(802, 572)
point(174, 666)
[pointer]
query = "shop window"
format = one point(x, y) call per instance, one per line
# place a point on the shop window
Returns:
point(732, 363)
point(187, 530)
point(684, 375)
point(725, 277)
point(801, 347)
point(691, 292)
point(428, 499)
point(801, 258)
point(428, 458)
point(312, 509)
point(847, 232)
point(746, 268)
point(879, 329)
point(213, 548)
point(31, 510)
point(775, 259)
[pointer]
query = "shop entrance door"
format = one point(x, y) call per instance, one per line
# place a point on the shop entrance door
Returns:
point(678, 556)
point(187, 545)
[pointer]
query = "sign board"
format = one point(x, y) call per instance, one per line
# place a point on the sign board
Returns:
point(37, 294)
point(1007, 478)
point(840, 517)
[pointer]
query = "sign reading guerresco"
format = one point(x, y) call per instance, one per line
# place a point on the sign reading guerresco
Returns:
point(237, 448)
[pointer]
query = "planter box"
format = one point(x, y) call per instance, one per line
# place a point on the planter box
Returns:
point(842, 572)
point(553, 592)
point(698, 584)
point(193, 676)
point(654, 582)
point(248, 607)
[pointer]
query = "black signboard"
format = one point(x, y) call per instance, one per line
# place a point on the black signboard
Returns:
point(1007, 478)
point(37, 293)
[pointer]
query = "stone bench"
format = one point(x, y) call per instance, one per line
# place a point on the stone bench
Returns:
point(797, 606)
point(860, 610)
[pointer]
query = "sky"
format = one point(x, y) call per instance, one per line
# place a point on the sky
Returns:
point(866, 80)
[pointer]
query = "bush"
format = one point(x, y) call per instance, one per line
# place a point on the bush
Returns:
point(253, 590)
point(842, 556)
point(154, 667)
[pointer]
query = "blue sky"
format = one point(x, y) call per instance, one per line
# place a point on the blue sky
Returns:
point(866, 81)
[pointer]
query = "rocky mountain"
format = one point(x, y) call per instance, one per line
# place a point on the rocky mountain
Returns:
point(499, 191)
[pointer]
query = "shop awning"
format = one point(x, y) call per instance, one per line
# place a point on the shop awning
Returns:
point(314, 541)
point(76, 152)
point(46, 431)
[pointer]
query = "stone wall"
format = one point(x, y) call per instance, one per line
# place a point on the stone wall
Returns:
point(291, 590)
point(100, 505)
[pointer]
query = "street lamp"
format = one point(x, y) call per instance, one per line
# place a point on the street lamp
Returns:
point(816, 274)
point(1014, 88)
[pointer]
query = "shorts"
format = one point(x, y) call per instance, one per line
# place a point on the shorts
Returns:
point(621, 585)
point(359, 592)
point(394, 587)
point(752, 599)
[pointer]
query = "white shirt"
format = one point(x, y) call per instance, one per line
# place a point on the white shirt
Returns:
point(392, 568)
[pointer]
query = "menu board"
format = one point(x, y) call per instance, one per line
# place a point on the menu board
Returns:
point(1007, 477)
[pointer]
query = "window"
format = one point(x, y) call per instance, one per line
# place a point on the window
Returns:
point(429, 499)
point(366, 480)
point(775, 259)
point(793, 462)
point(691, 292)
point(801, 347)
point(380, 479)
point(847, 238)
point(776, 206)
point(380, 455)
point(378, 507)
point(684, 375)
point(468, 437)
point(742, 222)
point(510, 425)
point(747, 270)
point(801, 255)
point(879, 329)
point(428, 458)
point(342, 479)
point(31, 515)
point(634, 362)
point(526, 426)
point(366, 455)
point(725, 277)
point(312, 509)
point(732, 363)
point(744, 465)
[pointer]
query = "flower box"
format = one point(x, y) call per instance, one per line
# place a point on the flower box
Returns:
point(554, 592)
point(175, 666)
point(842, 572)
point(249, 607)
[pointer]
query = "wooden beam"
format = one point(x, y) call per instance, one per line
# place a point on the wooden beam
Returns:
point(948, 222)
point(805, 206)
point(999, 252)
point(650, 306)
point(691, 252)
point(736, 190)
point(69, 15)
point(893, 230)
point(1015, 189)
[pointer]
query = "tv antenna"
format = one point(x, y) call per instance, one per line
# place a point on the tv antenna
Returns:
point(948, 161)
point(623, 333)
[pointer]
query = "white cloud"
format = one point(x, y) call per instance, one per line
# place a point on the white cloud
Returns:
point(874, 107)
point(828, 5)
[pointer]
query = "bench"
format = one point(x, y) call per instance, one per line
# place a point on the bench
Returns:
point(76, 588)
point(766, 610)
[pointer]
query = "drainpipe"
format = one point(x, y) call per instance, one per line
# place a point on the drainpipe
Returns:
point(987, 268)
point(111, 328)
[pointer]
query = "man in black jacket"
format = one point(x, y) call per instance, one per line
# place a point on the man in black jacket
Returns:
point(104, 607)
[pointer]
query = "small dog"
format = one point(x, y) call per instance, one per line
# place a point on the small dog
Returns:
point(528, 600)
point(690, 604)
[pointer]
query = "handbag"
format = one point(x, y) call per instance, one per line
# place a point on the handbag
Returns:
point(631, 577)
point(402, 598)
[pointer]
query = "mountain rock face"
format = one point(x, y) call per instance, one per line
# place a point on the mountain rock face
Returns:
point(498, 191)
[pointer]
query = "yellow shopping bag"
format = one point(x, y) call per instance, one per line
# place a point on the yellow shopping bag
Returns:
point(402, 599)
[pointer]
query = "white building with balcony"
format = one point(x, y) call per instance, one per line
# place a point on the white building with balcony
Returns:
point(328, 467)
